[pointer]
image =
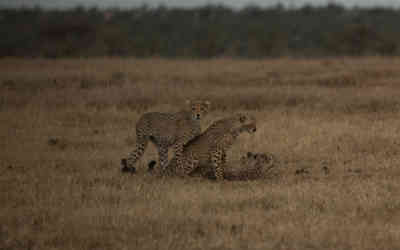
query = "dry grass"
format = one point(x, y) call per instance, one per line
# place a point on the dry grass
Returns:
point(333, 124)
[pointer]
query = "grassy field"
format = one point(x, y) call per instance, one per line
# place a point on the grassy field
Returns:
point(333, 124)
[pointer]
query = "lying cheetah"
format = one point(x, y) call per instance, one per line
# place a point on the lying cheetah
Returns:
point(258, 159)
point(166, 130)
point(210, 147)
point(252, 166)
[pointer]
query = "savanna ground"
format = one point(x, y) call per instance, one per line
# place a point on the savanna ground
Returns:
point(334, 125)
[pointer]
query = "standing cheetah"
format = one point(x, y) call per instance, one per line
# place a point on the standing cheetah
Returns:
point(210, 147)
point(166, 130)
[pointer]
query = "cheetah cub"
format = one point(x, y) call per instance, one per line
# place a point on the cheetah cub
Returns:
point(166, 130)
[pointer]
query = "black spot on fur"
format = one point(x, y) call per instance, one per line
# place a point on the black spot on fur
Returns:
point(325, 169)
point(302, 171)
point(151, 165)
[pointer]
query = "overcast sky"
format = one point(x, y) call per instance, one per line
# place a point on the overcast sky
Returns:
point(188, 3)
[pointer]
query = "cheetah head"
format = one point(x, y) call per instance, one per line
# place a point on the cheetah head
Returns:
point(198, 108)
point(257, 159)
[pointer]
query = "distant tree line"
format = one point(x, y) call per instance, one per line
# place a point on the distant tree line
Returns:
point(203, 32)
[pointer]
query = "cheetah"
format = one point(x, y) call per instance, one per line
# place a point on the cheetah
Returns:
point(210, 147)
point(252, 166)
point(166, 130)
point(257, 158)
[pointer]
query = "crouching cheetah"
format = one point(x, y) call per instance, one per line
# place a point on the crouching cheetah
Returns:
point(166, 130)
point(252, 166)
point(209, 148)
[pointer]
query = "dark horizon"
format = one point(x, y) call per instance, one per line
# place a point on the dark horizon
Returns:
point(238, 4)
point(201, 33)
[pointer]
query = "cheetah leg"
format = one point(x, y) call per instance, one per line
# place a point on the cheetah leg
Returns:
point(178, 154)
point(163, 156)
point(218, 163)
point(134, 156)
point(223, 158)
point(178, 147)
